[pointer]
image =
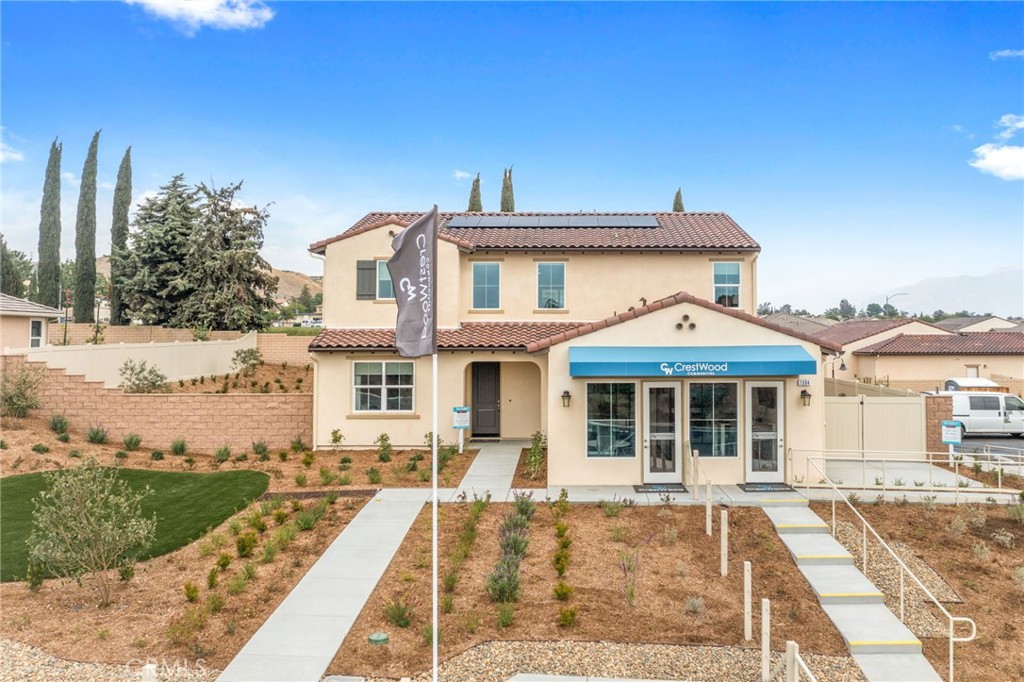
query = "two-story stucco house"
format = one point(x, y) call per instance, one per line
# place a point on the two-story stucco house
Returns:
point(629, 339)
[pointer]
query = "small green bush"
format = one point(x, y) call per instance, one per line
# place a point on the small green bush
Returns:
point(326, 476)
point(241, 458)
point(346, 460)
point(383, 442)
point(191, 591)
point(214, 603)
point(695, 606)
point(506, 614)
point(222, 455)
point(373, 475)
point(246, 360)
point(259, 448)
point(39, 448)
point(561, 528)
point(256, 522)
point(282, 456)
point(34, 576)
point(280, 516)
point(156, 455)
point(62, 437)
point(563, 591)
point(125, 572)
point(269, 552)
point(245, 544)
point(450, 581)
point(212, 577)
point(59, 423)
point(19, 391)
point(97, 435)
point(120, 455)
point(398, 613)
point(300, 479)
point(1015, 512)
point(132, 441)
point(561, 562)
point(179, 447)
point(447, 603)
point(238, 583)
point(344, 480)
point(139, 377)
point(77, 454)
point(567, 616)
point(297, 444)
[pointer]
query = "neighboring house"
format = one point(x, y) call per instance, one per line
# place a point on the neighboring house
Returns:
point(922, 362)
point(852, 335)
point(23, 324)
point(800, 323)
point(628, 338)
point(977, 323)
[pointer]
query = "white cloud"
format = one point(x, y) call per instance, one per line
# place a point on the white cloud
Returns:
point(8, 153)
point(1005, 54)
point(191, 15)
point(1001, 160)
point(461, 175)
point(1011, 124)
point(71, 179)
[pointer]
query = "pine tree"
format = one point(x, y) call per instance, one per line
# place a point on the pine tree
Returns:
point(475, 202)
point(156, 281)
point(233, 284)
point(49, 232)
point(508, 197)
point(677, 203)
point(119, 239)
point(305, 300)
point(15, 268)
point(85, 238)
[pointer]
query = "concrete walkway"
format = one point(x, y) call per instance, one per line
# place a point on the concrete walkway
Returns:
point(299, 639)
point(884, 648)
point(492, 470)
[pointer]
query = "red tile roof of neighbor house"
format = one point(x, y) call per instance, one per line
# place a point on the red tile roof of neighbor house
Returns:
point(963, 343)
point(675, 231)
point(849, 331)
point(531, 336)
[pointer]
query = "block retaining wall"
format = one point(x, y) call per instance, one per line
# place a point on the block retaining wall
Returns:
point(936, 409)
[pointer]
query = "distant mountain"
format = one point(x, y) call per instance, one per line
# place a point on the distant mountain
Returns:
point(1000, 293)
point(289, 284)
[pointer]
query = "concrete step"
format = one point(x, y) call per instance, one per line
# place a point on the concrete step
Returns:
point(815, 549)
point(872, 629)
point(790, 520)
point(841, 585)
point(896, 668)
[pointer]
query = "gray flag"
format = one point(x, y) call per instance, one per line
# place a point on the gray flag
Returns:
point(413, 270)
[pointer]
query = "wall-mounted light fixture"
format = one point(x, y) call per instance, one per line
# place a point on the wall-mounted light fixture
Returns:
point(566, 398)
point(805, 398)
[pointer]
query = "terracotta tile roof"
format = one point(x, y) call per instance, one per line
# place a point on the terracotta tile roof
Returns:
point(10, 305)
point(957, 323)
point(849, 331)
point(681, 297)
point(964, 343)
point(675, 231)
point(504, 335)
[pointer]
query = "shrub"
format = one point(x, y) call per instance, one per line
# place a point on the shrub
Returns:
point(337, 438)
point(561, 562)
point(535, 456)
point(562, 591)
point(981, 551)
point(1018, 577)
point(280, 516)
point(239, 581)
point(120, 455)
point(34, 576)
point(694, 606)
point(1003, 538)
point(561, 528)
point(506, 614)
point(284, 535)
point(184, 630)
point(957, 527)
point(126, 572)
point(297, 444)
point(190, 463)
point(245, 543)
point(1015, 512)
point(260, 449)
point(246, 360)
point(398, 613)
point(524, 504)
point(346, 460)
point(19, 391)
point(179, 447)
point(503, 582)
point(383, 442)
point(269, 552)
point(235, 526)
point(77, 454)
point(222, 455)
point(308, 459)
point(106, 515)
point(214, 603)
point(373, 475)
point(132, 442)
point(344, 480)
point(256, 522)
point(300, 479)
point(306, 520)
point(450, 581)
point(447, 603)
point(58, 423)
point(567, 616)
point(212, 577)
point(62, 437)
point(611, 508)
point(156, 455)
point(97, 435)
point(40, 449)
point(139, 377)
point(223, 561)
point(191, 591)
point(282, 456)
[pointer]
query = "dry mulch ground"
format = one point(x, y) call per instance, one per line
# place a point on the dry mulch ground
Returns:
point(674, 567)
point(63, 619)
point(267, 378)
point(286, 474)
point(951, 540)
point(522, 479)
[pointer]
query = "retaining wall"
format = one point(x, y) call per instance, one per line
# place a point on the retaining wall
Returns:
point(936, 409)
point(278, 348)
point(81, 332)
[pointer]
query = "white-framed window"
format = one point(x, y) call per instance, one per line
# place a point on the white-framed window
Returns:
point(714, 418)
point(35, 334)
point(727, 284)
point(385, 289)
point(486, 286)
point(611, 419)
point(551, 285)
point(385, 386)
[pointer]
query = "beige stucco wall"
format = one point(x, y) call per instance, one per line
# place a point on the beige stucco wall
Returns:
point(926, 372)
point(522, 397)
point(995, 324)
point(567, 460)
point(854, 370)
point(14, 331)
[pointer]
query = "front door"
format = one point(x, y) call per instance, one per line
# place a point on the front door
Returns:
point(486, 399)
point(662, 427)
point(765, 421)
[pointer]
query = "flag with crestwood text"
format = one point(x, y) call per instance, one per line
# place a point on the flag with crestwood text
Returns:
point(413, 269)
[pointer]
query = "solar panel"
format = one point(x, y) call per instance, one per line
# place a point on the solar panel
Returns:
point(494, 221)
point(523, 221)
point(575, 220)
point(612, 221)
point(581, 221)
point(464, 221)
point(553, 221)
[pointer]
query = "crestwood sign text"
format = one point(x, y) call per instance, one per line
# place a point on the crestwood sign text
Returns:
point(695, 369)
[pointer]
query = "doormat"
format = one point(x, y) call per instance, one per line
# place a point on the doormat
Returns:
point(765, 487)
point(661, 488)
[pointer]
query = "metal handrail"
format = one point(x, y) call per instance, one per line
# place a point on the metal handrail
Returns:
point(904, 569)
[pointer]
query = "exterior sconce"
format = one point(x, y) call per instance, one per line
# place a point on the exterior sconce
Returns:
point(566, 398)
point(805, 398)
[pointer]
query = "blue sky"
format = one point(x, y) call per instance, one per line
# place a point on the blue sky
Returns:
point(841, 136)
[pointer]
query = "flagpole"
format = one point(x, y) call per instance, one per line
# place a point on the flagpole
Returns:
point(433, 463)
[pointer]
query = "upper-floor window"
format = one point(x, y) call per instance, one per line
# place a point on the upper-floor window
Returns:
point(551, 285)
point(384, 287)
point(35, 334)
point(727, 284)
point(486, 286)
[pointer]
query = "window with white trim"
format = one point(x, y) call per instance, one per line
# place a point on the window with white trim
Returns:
point(714, 419)
point(486, 286)
point(611, 419)
point(35, 334)
point(551, 285)
point(385, 289)
point(727, 284)
point(382, 386)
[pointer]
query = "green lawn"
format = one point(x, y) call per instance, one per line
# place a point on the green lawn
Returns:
point(185, 506)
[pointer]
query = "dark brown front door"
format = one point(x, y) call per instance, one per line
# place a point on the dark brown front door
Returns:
point(486, 399)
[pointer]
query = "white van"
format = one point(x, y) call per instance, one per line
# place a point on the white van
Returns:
point(983, 412)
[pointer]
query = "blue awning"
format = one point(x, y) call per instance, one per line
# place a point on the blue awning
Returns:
point(690, 361)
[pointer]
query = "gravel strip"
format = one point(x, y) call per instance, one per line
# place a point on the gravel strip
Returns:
point(497, 661)
point(23, 662)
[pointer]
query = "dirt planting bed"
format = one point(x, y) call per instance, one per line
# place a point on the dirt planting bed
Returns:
point(267, 378)
point(523, 480)
point(978, 552)
point(680, 598)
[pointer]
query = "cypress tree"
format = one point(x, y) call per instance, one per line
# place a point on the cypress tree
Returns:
point(49, 232)
point(119, 239)
point(677, 203)
point(475, 202)
point(14, 267)
point(85, 238)
point(508, 197)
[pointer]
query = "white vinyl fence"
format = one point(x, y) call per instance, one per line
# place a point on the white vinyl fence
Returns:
point(176, 359)
point(875, 424)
